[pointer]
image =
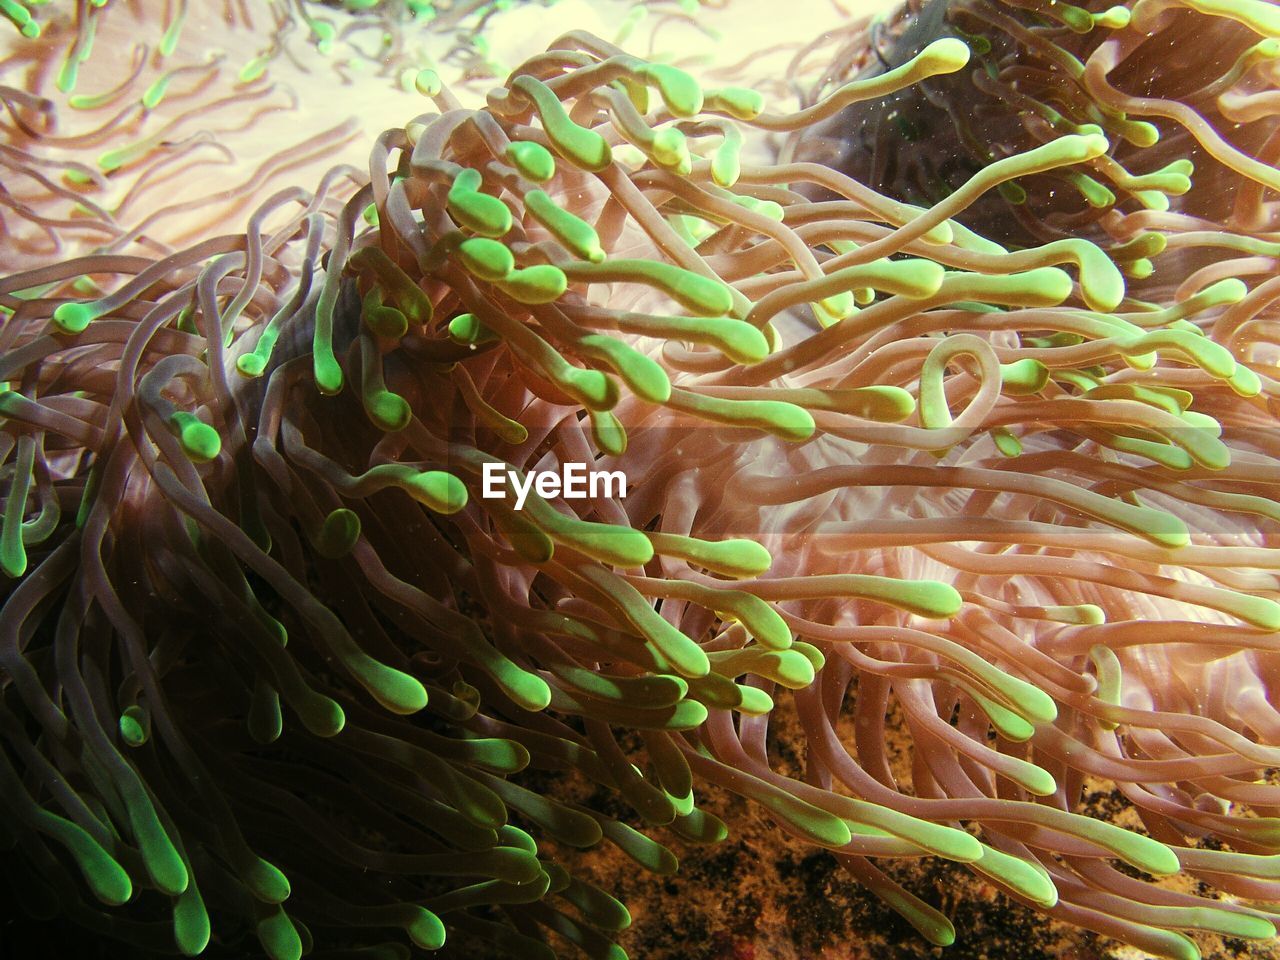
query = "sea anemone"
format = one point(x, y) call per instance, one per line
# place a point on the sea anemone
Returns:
point(279, 662)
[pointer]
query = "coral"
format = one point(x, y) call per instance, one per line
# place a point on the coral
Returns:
point(275, 667)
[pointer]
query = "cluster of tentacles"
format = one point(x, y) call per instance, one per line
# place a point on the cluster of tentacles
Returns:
point(272, 664)
point(30, 16)
point(126, 127)
point(1173, 90)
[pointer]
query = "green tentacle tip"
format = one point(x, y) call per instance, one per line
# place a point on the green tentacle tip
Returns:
point(266, 882)
point(1073, 148)
point(1008, 444)
point(324, 33)
point(1023, 877)
point(739, 102)
point(68, 75)
point(501, 756)
point(527, 689)
point(576, 234)
point(1094, 193)
point(726, 162)
point(1140, 133)
point(425, 929)
point(1101, 282)
point(680, 92)
point(513, 836)
point(1045, 286)
point(645, 377)
point(394, 689)
point(254, 364)
point(735, 558)
point(739, 341)
point(135, 726)
point(338, 534)
point(1008, 724)
point(191, 927)
point(767, 626)
point(252, 70)
point(389, 411)
point(933, 926)
point(1177, 946)
point(533, 160)
point(925, 598)
point(13, 553)
point(606, 542)
point(1150, 855)
point(609, 433)
point(1085, 614)
point(595, 389)
point(788, 667)
point(787, 421)
point(200, 442)
point(1023, 377)
point(384, 321)
point(1114, 18)
point(467, 328)
point(110, 160)
point(73, 317)
point(832, 310)
point(704, 296)
point(597, 906)
point(670, 149)
point(169, 42)
point(152, 96)
point(486, 259)
point(441, 491)
point(541, 283)
point(710, 298)
point(1078, 20)
point(1013, 192)
point(324, 717)
point(1245, 382)
point(105, 877)
point(164, 864)
point(265, 721)
point(1258, 612)
point(755, 702)
point(1242, 925)
point(1035, 780)
point(279, 937)
point(816, 824)
point(251, 364)
point(488, 216)
point(427, 83)
point(327, 372)
point(944, 56)
point(1026, 698)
